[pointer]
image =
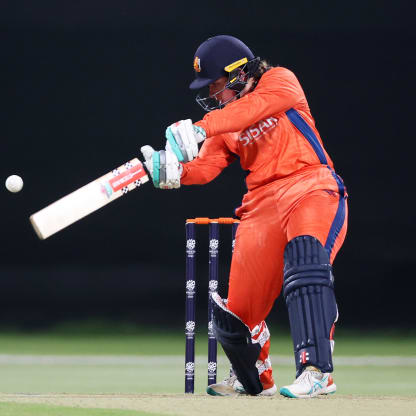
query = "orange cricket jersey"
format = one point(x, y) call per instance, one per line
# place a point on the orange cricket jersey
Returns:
point(257, 128)
point(291, 183)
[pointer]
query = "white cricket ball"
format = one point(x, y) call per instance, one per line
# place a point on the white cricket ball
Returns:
point(14, 183)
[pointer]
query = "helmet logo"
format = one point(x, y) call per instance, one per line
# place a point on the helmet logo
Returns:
point(197, 64)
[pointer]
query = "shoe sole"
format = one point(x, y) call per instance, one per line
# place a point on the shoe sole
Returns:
point(268, 392)
point(212, 392)
point(287, 393)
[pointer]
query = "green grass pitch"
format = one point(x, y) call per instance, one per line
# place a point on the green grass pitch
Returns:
point(53, 363)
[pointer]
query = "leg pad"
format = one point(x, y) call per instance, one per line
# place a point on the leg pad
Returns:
point(235, 338)
point(308, 290)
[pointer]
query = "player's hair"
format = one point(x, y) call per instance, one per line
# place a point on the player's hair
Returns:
point(263, 67)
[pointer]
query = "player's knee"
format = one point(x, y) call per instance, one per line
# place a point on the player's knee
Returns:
point(306, 262)
point(240, 310)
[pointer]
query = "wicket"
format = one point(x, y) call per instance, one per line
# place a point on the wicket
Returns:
point(191, 250)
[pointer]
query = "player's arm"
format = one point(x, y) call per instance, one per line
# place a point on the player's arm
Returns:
point(213, 157)
point(277, 91)
point(168, 173)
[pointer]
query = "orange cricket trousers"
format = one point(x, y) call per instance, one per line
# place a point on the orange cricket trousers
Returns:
point(310, 202)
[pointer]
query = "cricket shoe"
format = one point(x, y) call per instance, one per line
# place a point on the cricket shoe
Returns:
point(310, 383)
point(232, 387)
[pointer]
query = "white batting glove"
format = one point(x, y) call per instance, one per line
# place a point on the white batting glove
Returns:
point(163, 167)
point(183, 138)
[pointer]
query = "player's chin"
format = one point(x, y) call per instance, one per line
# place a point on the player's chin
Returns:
point(229, 101)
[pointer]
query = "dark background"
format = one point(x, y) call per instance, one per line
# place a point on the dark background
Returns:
point(84, 84)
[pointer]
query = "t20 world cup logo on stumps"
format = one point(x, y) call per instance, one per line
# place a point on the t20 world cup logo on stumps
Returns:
point(189, 369)
point(213, 247)
point(212, 368)
point(190, 247)
point(190, 288)
point(190, 329)
point(213, 285)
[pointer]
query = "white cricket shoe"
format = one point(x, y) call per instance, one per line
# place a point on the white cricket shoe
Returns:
point(310, 383)
point(232, 387)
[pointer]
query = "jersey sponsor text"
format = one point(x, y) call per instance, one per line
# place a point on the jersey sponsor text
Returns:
point(257, 130)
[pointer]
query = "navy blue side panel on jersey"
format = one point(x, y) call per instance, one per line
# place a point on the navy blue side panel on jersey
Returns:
point(339, 216)
point(310, 136)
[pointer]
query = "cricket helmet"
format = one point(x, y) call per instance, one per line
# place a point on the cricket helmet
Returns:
point(221, 56)
point(213, 55)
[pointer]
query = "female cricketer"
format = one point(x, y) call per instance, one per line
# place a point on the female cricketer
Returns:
point(293, 216)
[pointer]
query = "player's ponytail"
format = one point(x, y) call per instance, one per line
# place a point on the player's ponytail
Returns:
point(263, 67)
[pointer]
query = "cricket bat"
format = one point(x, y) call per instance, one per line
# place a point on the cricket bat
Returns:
point(89, 198)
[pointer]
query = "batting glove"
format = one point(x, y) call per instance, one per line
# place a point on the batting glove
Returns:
point(183, 138)
point(163, 167)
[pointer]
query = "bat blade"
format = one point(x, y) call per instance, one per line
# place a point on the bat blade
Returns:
point(89, 198)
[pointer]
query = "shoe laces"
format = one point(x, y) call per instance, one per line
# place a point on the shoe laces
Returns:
point(230, 381)
point(307, 376)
